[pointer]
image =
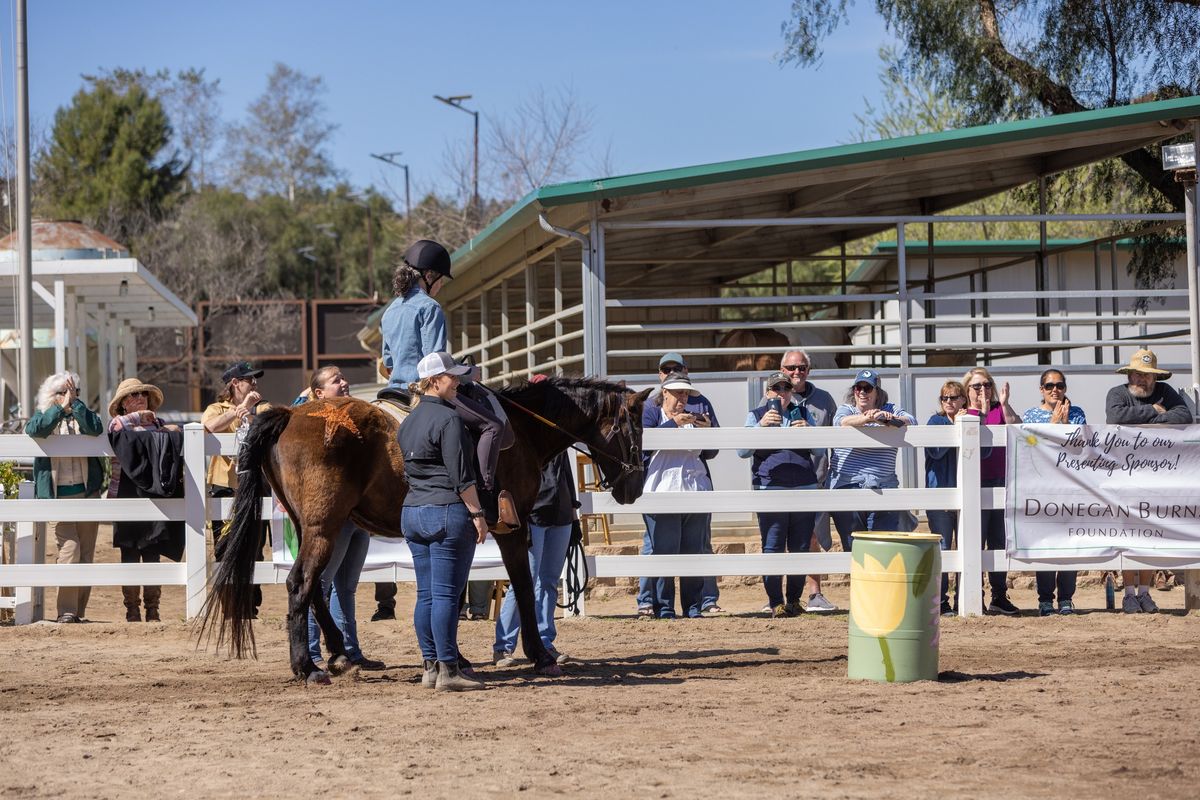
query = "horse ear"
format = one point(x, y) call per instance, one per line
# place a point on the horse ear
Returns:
point(639, 399)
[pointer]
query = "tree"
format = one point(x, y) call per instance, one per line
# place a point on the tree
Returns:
point(282, 147)
point(539, 143)
point(105, 163)
point(192, 103)
point(1029, 56)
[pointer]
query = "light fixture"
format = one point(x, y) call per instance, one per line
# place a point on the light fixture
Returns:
point(124, 290)
point(151, 313)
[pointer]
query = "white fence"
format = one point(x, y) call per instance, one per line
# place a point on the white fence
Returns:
point(195, 509)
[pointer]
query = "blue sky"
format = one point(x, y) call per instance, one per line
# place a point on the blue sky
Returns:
point(670, 83)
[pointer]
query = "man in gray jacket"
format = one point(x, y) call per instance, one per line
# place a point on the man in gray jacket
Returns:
point(1142, 400)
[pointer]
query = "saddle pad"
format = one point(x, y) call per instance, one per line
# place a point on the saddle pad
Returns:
point(396, 411)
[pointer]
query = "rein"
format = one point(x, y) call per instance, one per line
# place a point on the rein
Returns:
point(625, 466)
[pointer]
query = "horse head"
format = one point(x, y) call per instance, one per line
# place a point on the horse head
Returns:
point(604, 416)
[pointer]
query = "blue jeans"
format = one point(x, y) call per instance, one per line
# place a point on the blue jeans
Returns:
point(547, 555)
point(339, 583)
point(785, 532)
point(672, 534)
point(847, 522)
point(442, 542)
point(709, 593)
point(945, 523)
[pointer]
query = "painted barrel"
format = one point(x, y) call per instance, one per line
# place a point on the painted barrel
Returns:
point(895, 582)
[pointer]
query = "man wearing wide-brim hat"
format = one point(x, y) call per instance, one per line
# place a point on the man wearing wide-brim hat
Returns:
point(1144, 400)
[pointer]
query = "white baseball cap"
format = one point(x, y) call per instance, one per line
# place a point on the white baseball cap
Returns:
point(440, 363)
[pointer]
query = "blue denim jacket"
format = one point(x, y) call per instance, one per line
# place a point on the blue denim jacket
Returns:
point(413, 327)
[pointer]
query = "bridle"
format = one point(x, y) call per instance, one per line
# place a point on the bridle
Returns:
point(622, 414)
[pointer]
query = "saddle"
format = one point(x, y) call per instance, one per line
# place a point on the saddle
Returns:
point(395, 403)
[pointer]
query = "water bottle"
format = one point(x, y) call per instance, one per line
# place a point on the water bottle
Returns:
point(1110, 593)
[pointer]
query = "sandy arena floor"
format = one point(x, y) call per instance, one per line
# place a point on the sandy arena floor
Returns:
point(737, 706)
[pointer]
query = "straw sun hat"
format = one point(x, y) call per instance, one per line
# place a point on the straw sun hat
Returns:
point(1145, 361)
point(128, 387)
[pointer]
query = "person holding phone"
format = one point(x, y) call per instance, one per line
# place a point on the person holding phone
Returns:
point(677, 471)
point(793, 468)
point(60, 412)
point(984, 400)
point(1055, 409)
point(866, 405)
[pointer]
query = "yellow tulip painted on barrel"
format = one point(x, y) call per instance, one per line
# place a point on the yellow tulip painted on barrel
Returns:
point(878, 603)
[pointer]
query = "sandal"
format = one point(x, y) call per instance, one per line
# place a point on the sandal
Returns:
point(645, 611)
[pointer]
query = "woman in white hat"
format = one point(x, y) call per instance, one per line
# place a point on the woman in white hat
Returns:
point(133, 408)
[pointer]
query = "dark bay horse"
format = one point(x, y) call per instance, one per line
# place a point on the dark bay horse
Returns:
point(332, 460)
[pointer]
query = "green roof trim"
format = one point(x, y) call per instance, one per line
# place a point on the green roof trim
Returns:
point(525, 210)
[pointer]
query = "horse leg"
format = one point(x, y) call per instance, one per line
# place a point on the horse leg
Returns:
point(303, 583)
point(515, 552)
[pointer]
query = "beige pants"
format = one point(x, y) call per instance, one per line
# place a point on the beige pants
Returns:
point(76, 545)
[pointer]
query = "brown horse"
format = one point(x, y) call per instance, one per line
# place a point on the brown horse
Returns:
point(330, 461)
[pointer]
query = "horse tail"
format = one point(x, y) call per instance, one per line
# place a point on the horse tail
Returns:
point(233, 581)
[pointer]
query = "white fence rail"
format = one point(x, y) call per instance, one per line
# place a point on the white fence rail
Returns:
point(195, 509)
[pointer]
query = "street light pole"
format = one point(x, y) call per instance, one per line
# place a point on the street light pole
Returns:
point(456, 101)
point(390, 158)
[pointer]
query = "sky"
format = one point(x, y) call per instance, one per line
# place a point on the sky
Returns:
point(669, 83)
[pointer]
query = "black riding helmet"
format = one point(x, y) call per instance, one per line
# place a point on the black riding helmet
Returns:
point(426, 254)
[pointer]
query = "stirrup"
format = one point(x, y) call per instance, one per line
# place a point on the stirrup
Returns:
point(509, 520)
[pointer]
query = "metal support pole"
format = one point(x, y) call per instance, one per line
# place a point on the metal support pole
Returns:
point(530, 314)
point(1191, 577)
point(907, 381)
point(24, 223)
point(558, 307)
point(60, 326)
point(1042, 307)
point(504, 326)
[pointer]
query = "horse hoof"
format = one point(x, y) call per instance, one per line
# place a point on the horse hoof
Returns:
point(550, 670)
point(342, 666)
point(318, 678)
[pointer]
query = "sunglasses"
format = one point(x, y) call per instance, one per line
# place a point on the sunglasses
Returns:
point(782, 387)
point(946, 398)
point(139, 394)
point(669, 368)
point(863, 388)
point(979, 387)
point(1051, 385)
point(795, 367)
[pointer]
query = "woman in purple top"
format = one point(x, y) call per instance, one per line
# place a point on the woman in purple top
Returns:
point(1055, 409)
point(982, 402)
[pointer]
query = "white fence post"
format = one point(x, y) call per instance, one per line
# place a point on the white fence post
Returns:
point(970, 580)
point(195, 554)
point(29, 548)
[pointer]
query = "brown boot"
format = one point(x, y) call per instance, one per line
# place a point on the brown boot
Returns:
point(153, 596)
point(451, 679)
point(131, 596)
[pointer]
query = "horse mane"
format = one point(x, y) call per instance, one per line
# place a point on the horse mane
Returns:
point(592, 395)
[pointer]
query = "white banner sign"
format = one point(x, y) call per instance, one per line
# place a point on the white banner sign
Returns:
point(1100, 490)
point(381, 552)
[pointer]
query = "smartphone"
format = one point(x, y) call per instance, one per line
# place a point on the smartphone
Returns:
point(776, 405)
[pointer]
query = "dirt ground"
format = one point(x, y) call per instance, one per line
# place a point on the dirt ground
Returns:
point(734, 706)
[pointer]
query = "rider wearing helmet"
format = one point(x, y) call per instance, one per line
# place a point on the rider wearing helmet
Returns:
point(414, 326)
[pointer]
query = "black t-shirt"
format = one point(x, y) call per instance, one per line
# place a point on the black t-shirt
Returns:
point(437, 454)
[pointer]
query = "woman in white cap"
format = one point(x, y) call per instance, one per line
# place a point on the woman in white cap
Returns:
point(442, 520)
point(677, 471)
point(133, 408)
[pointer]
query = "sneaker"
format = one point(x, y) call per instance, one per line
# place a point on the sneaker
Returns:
point(382, 614)
point(1045, 608)
point(1002, 605)
point(1066, 607)
point(1147, 603)
point(817, 604)
point(766, 609)
point(947, 609)
point(559, 658)
point(1130, 604)
point(781, 611)
point(503, 658)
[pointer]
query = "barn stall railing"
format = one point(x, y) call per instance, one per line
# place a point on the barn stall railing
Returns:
point(195, 509)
